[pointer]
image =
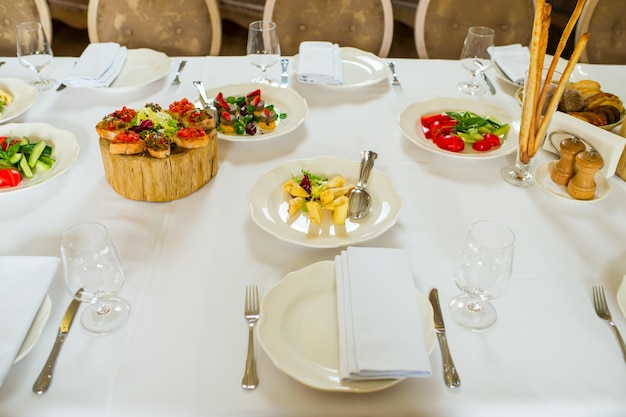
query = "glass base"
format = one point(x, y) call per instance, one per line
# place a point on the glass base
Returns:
point(472, 89)
point(265, 80)
point(105, 316)
point(473, 314)
point(45, 84)
point(518, 176)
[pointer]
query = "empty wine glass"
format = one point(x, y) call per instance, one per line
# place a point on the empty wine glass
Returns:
point(263, 47)
point(34, 51)
point(91, 263)
point(476, 58)
point(482, 273)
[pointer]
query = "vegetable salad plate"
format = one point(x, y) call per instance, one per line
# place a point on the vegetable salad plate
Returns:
point(298, 329)
point(284, 100)
point(64, 151)
point(143, 66)
point(410, 125)
point(269, 205)
point(23, 97)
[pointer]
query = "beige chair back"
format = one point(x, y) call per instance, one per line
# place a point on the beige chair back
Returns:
point(363, 24)
point(605, 21)
point(175, 27)
point(13, 12)
point(441, 25)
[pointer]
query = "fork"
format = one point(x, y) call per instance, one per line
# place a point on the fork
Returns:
point(181, 65)
point(392, 66)
point(602, 310)
point(252, 313)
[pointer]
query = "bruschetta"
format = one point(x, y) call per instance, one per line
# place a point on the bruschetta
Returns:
point(115, 123)
point(158, 145)
point(127, 142)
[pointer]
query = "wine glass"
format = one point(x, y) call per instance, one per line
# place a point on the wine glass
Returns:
point(263, 48)
point(476, 58)
point(34, 51)
point(482, 273)
point(94, 274)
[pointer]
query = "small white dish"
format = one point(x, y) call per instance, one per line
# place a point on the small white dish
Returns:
point(298, 330)
point(542, 176)
point(269, 205)
point(24, 96)
point(34, 332)
point(143, 66)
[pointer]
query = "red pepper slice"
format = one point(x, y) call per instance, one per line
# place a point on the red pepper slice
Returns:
point(227, 116)
point(494, 140)
point(9, 177)
point(256, 92)
point(220, 99)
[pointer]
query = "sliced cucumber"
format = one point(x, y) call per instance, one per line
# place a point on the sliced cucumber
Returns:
point(15, 158)
point(41, 167)
point(46, 160)
point(28, 173)
point(36, 153)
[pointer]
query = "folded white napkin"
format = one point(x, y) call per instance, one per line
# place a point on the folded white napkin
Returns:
point(513, 60)
point(24, 282)
point(98, 66)
point(320, 62)
point(380, 327)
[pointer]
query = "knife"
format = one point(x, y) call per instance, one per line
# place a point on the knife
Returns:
point(450, 376)
point(45, 377)
point(203, 98)
point(489, 83)
point(284, 75)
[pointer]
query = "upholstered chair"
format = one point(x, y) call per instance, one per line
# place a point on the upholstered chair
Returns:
point(605, 21)
point(175, 27)
point(13, 12)
point(363, 24)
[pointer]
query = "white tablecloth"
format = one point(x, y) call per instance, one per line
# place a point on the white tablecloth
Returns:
point(188, 262)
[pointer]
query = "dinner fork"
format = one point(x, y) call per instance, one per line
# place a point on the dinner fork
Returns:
point(181, 65)
point(394, 81)
point(252, 313)
point(602, 310)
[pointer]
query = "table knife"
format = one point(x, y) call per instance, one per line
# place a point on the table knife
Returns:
point(45, 377)
point(492, 89)
point(450, 376)
point(284, 75)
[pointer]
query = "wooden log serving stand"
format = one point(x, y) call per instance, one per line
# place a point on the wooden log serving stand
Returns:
point(144, 178)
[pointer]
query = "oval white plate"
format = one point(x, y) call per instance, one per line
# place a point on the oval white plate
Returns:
point(143, 66)
point(23, 97)
point(284, 100)
point(269, 205)
point(542, 176)
point(410, 125)
point(64, 144)
point(360, 69)
point(298, 329)
point(39, 322)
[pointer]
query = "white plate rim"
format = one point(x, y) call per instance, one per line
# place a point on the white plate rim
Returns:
point(159, 63)
point(577, 75)
point(285, 99)
point(320, 276)
point(542, 177)
point(65, 151)
point(36, 328)
point(24, 96)
point(410, 125)
point(621, 296)
point(268, 193)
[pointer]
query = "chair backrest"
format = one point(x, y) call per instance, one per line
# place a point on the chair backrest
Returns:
point(13, 12)
point(363, 24)
point(605, 21)
point(441, 25)
point(175, 27)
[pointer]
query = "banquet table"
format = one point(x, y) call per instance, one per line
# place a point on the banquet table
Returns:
point(188, 262)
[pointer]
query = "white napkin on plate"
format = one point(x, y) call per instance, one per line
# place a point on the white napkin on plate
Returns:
point(98, 66)
point(380, 327)
point(513, 60)
point(320, 62)
point(24, 282)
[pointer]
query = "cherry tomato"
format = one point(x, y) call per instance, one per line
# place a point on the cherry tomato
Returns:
point(494, 140)
point(9, 177)
point(482, 145)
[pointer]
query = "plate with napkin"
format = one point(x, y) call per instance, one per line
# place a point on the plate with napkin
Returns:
point(299, 330)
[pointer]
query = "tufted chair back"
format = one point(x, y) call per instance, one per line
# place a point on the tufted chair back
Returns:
point(13, 12)
point(605, 21)
point(363, 24)
point(441, 25)
point(175, 27)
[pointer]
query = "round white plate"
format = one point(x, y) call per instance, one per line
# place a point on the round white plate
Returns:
point(143, 66)
point(410, 125)
point(298, 329)
point(269, 205)
point(360, 69)
point(23, 97)
point(284, 100)
point(39, 322)
point(542, 176)
point(64, 150)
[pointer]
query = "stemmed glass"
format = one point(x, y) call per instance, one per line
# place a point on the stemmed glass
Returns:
point(34, 51)
point(476, 58)
point(91, 263)
point(263, 47)
point(482, 273)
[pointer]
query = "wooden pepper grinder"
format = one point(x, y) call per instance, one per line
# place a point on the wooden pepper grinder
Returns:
point(563, 170)
point(582, 186)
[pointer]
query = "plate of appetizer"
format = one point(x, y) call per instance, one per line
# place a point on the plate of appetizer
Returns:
point(34, 153)
point(143, 66)
point(16, 97)
point(252, 112)
point(279, 207)
point(460, 128)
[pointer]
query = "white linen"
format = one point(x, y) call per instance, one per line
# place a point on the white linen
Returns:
point(24, 281)
point(513, 60)
point(98, 66)
point(380, 328)
point(320, 62)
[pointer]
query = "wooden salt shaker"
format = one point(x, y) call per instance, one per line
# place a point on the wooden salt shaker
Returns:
point(563, 170)
point(582, 186)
